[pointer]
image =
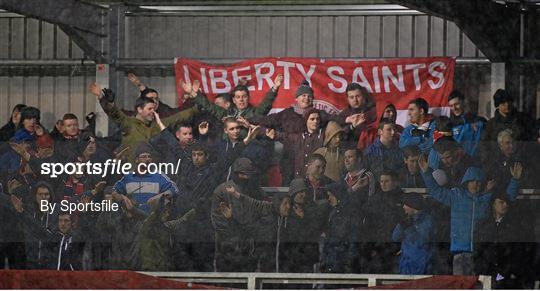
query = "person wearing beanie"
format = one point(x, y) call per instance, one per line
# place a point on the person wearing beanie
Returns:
point(415, 231)
point(291, 120)
point(507, 117)
point(467, 127)
point(8, 130)
point(242, 221)
point(299, 249)
point(468, 205)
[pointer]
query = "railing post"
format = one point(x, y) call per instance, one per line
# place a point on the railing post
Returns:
point(251, 282)
point(372, 281)
point(486, 282)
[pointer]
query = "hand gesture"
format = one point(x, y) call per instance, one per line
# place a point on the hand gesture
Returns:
point(12, 185)
point(158, 121)
point(85, 199)
point(356, 119)
point(243, 121)
point(243, 81)
point(423, 163)
point(195, 87)
point(17, 203)
point(490, 185)
point(186, 87)
point(134, 79)
point(95, 89)
point(225, 210)
point(298, 211)
point(18, 148)
point(99, 187)
point(127, 202)
point(203, 128)
point(271, 133)
point(229, 189)
point(278, 81)
point(252, 133)
point(359, 120)
point(516, 170)
point(120, 154)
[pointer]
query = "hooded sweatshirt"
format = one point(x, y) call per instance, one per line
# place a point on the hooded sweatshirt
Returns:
point(465, 208)
point(335, 167)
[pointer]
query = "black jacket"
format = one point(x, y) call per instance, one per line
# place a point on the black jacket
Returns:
point(501, 247)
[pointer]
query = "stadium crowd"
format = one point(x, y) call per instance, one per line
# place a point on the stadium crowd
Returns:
point(345, 210)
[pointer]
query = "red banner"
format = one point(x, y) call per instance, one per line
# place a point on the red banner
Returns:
point(394, 81)
point(50, 279)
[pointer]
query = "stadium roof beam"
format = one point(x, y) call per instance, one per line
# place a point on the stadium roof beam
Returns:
point(494, 28)
point(83, 22)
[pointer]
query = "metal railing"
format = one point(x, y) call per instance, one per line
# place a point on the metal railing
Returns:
point(254, 281)
point(524, 194)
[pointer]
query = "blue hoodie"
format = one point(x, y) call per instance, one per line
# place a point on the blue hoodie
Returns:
point(416, 250)
point(467, 131)
point(425, 143)
point(466, 208)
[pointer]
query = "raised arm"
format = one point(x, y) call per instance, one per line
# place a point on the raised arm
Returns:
point(441, 194)
point(266, 104)
point(174, 152)
point(262, 208)
point(135, 81)
point(184, 115)
point(108, 107)
point(513, 186)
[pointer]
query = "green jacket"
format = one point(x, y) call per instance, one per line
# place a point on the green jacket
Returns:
point(262, 109)
point(155, 241)
point(155, 247)
point(135, 130)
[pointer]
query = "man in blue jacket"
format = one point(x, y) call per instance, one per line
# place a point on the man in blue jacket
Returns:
point(467, 127)
point(468, 204)
point(420, 131)
point(415, 232)
point(146, 188)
